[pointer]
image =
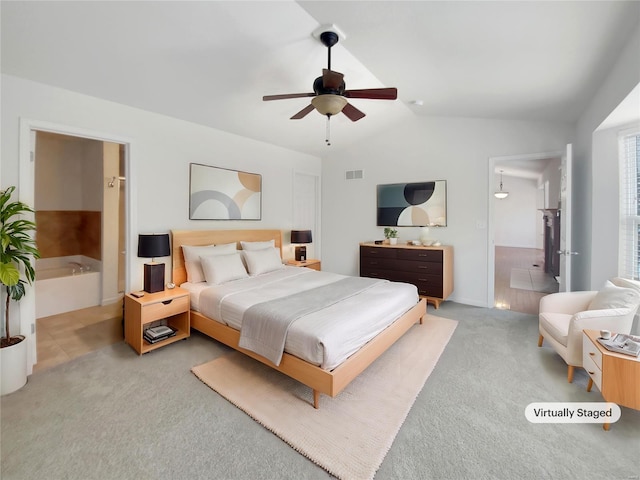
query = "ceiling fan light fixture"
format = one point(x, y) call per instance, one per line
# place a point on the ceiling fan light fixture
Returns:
point(329, 104)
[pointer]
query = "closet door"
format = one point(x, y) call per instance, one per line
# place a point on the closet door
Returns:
point(306, 209)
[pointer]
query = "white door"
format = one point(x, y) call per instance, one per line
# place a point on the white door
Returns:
point(564, 209)
point(306, 215)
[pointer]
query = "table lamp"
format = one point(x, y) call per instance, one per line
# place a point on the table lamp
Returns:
point(301, 236)
point(151, 246)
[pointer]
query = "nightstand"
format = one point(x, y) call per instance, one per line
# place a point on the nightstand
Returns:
point(310, 263)
point(169, 307)
point(616, 375)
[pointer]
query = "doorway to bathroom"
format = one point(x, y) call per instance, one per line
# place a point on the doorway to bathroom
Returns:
point(80, 212)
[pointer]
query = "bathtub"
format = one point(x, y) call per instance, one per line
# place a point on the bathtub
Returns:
point(64, 284)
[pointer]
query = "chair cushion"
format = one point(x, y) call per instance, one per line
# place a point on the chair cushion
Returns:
point(557, 325)
point(626, 283)
point(612, 296)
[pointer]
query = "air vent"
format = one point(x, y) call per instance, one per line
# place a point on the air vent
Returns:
point(354, 174)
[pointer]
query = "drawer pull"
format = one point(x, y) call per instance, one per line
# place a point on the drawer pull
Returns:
point(167, 302)
point(592, 354)
point(422, 266)
point(591, 373)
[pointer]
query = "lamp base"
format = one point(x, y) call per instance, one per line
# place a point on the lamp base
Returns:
point(301, 254)
point(153, 277)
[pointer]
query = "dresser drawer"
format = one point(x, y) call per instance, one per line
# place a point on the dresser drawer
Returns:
point(381, 252)
point(589, 350)
point(592, 369)
point(419, 255)
point(160, 310)
point(401, 265)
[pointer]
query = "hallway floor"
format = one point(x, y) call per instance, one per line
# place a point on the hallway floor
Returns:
point(510, 260)
point(63, 337)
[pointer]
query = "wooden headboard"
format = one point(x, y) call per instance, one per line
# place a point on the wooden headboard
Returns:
point(213, 237)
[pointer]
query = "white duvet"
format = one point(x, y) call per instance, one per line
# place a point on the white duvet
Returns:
point(325, 338)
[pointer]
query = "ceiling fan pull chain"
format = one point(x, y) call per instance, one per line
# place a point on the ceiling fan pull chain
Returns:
point(328, 139)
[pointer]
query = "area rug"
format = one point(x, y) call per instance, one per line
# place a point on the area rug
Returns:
point(532, 279)
point(350, 434)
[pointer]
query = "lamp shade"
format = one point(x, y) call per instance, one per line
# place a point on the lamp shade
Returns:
point(153, 245)
point(329, 104)
point(301, 236)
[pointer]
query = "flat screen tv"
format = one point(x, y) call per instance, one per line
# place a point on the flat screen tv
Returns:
point(418, 204)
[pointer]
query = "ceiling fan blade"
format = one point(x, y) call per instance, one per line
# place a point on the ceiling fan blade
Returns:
point(331, 80)
point(287, 95)
point(373, 93)
point(352, 112)
point(303, 113)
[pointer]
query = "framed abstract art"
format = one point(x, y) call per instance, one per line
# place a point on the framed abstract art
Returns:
point(222, 194)
point(418, 204)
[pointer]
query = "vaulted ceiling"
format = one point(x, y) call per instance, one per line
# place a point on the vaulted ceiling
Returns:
point(210, 62)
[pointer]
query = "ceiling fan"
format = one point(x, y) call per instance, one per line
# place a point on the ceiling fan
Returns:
point(329, 91)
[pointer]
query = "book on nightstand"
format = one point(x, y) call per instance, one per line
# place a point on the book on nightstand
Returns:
point(157, 334)
point(621, 343)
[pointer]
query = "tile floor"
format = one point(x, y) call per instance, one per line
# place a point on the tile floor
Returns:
point(525, 300)
point(68, 335)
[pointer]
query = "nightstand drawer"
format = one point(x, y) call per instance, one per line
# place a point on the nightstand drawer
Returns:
point(589, 350)
point(160, 310)
point(593, 370)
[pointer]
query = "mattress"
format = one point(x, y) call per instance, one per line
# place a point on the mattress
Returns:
point(326, 337)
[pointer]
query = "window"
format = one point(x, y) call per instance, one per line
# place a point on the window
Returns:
point(629, 252)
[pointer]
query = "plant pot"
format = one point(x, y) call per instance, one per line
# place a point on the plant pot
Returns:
point(393, 241)
point(14, 367)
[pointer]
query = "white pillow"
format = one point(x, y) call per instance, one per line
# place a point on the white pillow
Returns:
point(257, 245)
point(612, 296)
point(223, 268)
point(262, 261)
point(192, 254)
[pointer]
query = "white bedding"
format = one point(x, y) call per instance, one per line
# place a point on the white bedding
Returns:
point(325, 338)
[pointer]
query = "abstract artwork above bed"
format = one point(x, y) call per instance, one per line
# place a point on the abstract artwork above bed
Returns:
point(418, 204)
point(222, 194)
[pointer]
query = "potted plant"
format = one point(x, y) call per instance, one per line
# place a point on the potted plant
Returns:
point(391, 234)
point(18, 249)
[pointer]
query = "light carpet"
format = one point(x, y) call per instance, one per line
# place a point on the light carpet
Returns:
point(349, 435)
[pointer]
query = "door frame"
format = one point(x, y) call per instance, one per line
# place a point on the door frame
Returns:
point(26, 171)
point(492, 187)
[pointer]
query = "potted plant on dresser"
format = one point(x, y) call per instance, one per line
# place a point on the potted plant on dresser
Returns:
point(18, 250)
point(391, 234)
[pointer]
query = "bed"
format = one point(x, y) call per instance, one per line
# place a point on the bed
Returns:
point(217, 311)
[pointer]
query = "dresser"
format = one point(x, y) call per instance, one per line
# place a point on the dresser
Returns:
point(430, 269)
point(616, 375)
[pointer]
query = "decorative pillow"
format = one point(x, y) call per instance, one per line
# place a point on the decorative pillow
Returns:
point(612, 296)
point(257, 245)
point(262, 261)
point(223, 268)
point(192, 254)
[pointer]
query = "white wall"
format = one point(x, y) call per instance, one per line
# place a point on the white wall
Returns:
point(422, 149)
point(594, 184)
point(161, 149)
point(516, 217)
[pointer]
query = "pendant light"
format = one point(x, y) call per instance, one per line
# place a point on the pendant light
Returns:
point(500, 194)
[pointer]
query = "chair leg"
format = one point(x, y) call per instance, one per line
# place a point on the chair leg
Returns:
point(570, 374)
point(540, 339)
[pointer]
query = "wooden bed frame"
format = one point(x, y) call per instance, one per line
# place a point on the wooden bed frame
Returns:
point(319, 380)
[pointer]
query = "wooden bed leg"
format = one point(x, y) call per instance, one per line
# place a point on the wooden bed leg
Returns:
point(316, 399)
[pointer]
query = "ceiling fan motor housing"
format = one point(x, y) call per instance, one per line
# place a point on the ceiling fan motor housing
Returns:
point(320, 88)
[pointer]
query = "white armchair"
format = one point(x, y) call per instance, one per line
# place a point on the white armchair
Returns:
point(563, 316)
